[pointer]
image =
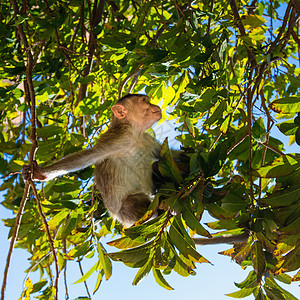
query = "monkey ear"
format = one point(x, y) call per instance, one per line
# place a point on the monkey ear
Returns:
point(119, 110)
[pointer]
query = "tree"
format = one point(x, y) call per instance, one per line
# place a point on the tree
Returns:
point(229, 72)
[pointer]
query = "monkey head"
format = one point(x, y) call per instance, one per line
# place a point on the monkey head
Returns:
point(137, 111)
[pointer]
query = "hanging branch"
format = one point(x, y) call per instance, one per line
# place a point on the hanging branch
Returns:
point(14, 237)
point(31, 97)
point(37, 198)
point(85, 283)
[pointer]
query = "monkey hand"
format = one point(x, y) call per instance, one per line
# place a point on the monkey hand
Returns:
point(37, 173)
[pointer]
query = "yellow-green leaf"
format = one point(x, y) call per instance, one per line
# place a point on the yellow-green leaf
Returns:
point(287, 105)
point(160, 279)
point(104, 261)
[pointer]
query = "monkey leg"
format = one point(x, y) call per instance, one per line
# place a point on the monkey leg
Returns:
point(133, 208)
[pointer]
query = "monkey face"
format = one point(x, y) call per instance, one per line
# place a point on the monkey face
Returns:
point(144, 114)
point(137, 111)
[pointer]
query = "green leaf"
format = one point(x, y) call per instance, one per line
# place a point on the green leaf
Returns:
point(88, 274)
point(292, 228)
point(38, 286)
point(258, 259)
point(127, 242)
point(79, 250)
point(288, 127)
point(98, 282)
point(287, 105)
point(54, 222)
point(251, 278)
point(216, 159)
point(282, 166)
point(193, 223)
point(242, 293)
point(217, 114)
point(259, 130)
point(283, 197)
point(133, 255)
point(160, 279)
point(226, 124)
point(176, 262)
point(104, 261)
point(66, 228)
point(218, 212)
point(285, 278)
point(143, 271)
point(66, 187)
point(253, 21)
point(87, 79)
point(285, 294)
point(167, 165)
point(48, 131)
point(180, 239)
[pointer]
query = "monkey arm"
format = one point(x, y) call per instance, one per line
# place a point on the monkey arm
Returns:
point(71, 163)
point(109, 144)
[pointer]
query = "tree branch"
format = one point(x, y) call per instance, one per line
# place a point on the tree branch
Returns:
point(37, 198)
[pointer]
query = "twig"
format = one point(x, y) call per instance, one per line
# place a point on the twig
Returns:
point(85, 284)
point(272, 148)
point(65, 270)
point(30, 96)
point(136, 71)
point(48, 235)
point(249, 129)
point(14, 236)
point(32, 267)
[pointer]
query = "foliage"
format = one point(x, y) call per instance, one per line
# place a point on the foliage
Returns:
point(226, 69)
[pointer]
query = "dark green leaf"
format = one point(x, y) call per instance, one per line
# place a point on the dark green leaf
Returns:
point(258, 259)
point(167, 165)
point(193, 223)
point(284, 197)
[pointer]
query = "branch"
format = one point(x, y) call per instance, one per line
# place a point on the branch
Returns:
point(48, 235)
point(224, 239)
point(14, 236)
point(31, 96)
point(237, 143)
point(85, 284)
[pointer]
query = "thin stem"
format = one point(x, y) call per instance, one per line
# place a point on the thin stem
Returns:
point(48, 235)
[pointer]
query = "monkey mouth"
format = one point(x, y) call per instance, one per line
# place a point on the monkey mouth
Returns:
point(158, 113)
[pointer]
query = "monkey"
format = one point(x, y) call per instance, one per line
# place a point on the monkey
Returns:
point(123, 158)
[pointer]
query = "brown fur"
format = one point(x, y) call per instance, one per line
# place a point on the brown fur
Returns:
point(123, 159)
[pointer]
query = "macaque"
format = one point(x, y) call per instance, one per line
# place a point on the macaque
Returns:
point(123, 158)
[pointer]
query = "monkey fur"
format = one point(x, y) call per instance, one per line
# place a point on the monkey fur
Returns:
point(123, 158)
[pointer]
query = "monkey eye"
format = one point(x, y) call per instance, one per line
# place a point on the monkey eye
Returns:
point(146, 99)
